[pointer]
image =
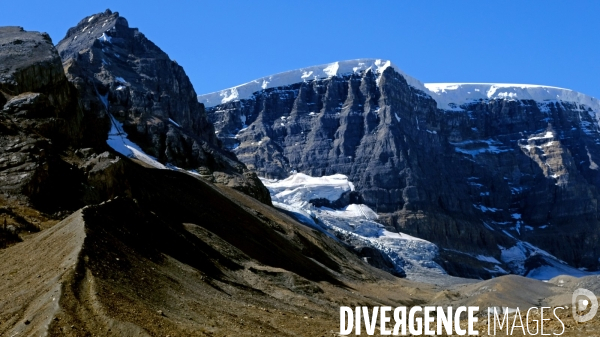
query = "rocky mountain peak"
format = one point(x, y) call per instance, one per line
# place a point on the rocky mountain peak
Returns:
point(121, 73)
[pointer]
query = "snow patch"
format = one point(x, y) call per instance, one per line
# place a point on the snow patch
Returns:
point(228, 96)
point(117, 139)
point(593, 165)
point(306, 74)
point(554, 269)
point(516, 256)
point(486, 209)
point(105, 38)
point(547, 135)
point(243, 120)
point(490, 259)
point(332, 69)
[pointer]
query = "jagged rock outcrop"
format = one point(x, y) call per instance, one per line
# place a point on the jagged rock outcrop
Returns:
point(39, 119)
point(477, 178)
point(118, 70)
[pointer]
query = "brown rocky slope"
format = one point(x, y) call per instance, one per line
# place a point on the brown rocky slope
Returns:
point(182, 257)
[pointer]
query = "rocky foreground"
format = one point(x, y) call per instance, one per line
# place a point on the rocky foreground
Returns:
point(182, 257)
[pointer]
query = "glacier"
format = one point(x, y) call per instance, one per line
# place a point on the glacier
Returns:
point(449, 96)
point(244, 91)
point(355, 224)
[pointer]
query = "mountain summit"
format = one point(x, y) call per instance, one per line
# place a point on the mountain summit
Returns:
point(119, 71)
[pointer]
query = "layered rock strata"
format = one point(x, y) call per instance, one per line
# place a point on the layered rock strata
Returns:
point(476, 177)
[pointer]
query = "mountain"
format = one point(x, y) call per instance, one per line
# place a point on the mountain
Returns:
point(103, 232)
point(122, 75)
point(502, 177)
point(93, 241)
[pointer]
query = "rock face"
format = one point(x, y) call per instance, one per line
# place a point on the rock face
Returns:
point(480, 178)
point(39, 118)
point(119, 71)
point(46, 171)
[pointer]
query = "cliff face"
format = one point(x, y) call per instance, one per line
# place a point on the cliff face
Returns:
point(40, 117)
point(119, 71)
point(477, 178)
point(532, 172)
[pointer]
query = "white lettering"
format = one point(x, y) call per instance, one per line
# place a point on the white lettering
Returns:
point(346, 330)
point(517, 314)
point(428, 319)
point(472, 320)
point(533, 320)
point(500, 324)
point(542, 321)
point(383, 319)
point(561, 322)
point(370, 326)
point(400, 321)
point(357, 320)
point(444, 319)
point(412, 319)
point(459, 331)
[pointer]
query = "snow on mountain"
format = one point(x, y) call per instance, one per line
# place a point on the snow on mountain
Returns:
point(449, 96)
point(117, 139)
point(528, 260)
point(340, 68)
point(300, 187)
point(553, 269)
point(355, 223)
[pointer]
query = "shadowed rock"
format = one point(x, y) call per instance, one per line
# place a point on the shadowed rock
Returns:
point(39, 119)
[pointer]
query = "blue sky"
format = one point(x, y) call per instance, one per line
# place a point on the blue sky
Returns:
point(224, 43)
